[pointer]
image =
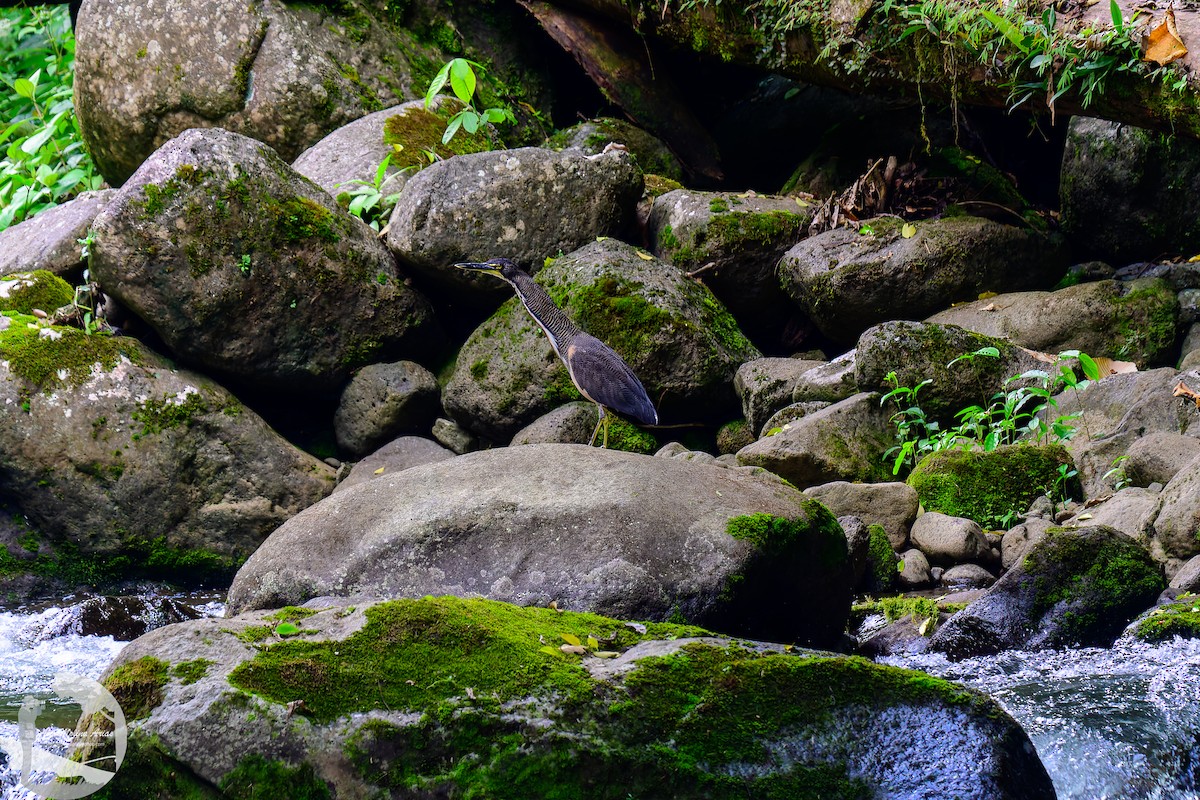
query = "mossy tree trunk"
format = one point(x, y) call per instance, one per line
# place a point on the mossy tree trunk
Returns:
point(958, 51)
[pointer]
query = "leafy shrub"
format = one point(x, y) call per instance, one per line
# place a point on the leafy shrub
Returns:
point(44, 160)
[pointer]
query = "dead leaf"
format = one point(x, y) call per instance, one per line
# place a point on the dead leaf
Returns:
point(989, 307)
point(908, 230)
point(380, 470)
point(1108, 366)
point(1162, 44)
point(644, 256)
point(606, 654)
point(1183, 390)
point(573, 649)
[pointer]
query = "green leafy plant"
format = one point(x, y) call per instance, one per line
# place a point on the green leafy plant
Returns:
point(1120, 479)
point(460, 74)
point(45, 162)
point(1024, 410)
point(367, 200)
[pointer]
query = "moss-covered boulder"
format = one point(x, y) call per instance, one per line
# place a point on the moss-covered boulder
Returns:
point(124, 466)
point(283, 73)
point(527, 204)
point(842, 442)
point(925, 351)
point(403, 134)
point(1075, 587)
point(1168, 620)
point(1125, 320)
point(450, 697)
point(679, 340)
point(22, 292)
point(733, 242)
point(590, 137)
point(246, 268)
point(849, 279)
point(993, 488)
point(1127, 192)
point(593, 530)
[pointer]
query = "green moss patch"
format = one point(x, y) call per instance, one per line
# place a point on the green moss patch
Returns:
point(991, 488)
point(39, 289)
point(417, 131)
point(881, 560)
point(138, 686)
point(1098, 579)
point(256, 778)
point(188, 672)
point(175, 411)
point(65, 358)
point(415, 654)
point(1181, 618)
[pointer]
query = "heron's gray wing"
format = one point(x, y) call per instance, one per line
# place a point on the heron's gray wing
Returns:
point(605, 378)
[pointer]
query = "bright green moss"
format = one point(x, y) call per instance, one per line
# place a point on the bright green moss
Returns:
point(23, 292)
point(255, 633)
point(990, 488)
point(778, 536)
point(1181, 618)
point(881, 559)
point(613, 310)
point(158, 197)
point(415, 654)
point(1147, 318)
point(189, 672)
point(300, 218)
point(64, 359)
point(291, 614)
point(919, 608)
point(138, 686)
point(419, 131)
point(559, 389)
point(170, 412)
point(626, 436)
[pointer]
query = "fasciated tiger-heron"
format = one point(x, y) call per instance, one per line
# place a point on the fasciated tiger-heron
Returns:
point(597, 371)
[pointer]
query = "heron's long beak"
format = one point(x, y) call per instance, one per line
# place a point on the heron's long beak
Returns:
point(473, 265)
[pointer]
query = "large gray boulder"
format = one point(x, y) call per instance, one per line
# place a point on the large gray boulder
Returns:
point(1126, 192)
point(1129, 321)
point(846, 281)
point(594, 530)
point(919, 351)
point(842, 442)
point(1116, 412)
point(1074, 587)
point(947, 541)
point(679, 340)
point(246, 268)
point(285, 74)
point(732, 242)
point(404, 452)
point(475, 698)
point(527, 204)
point(1177, 526)
point(50, 241)
point(115, 455)
point(590, 137)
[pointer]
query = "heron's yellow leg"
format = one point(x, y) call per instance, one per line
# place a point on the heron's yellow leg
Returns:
point(600, 420)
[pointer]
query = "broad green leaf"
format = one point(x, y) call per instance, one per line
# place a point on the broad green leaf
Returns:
point(495, 115)
point(571, 638)
point(470, 121)
point(286, 629)
point(381, 170)
point(1090, 368)
point(24, 87)
point(1118, 20)
point(462, 79)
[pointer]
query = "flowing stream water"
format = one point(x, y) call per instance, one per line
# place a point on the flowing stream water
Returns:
point(1109, 724)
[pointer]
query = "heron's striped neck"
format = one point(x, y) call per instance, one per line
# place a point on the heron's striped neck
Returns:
point(548, 316)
